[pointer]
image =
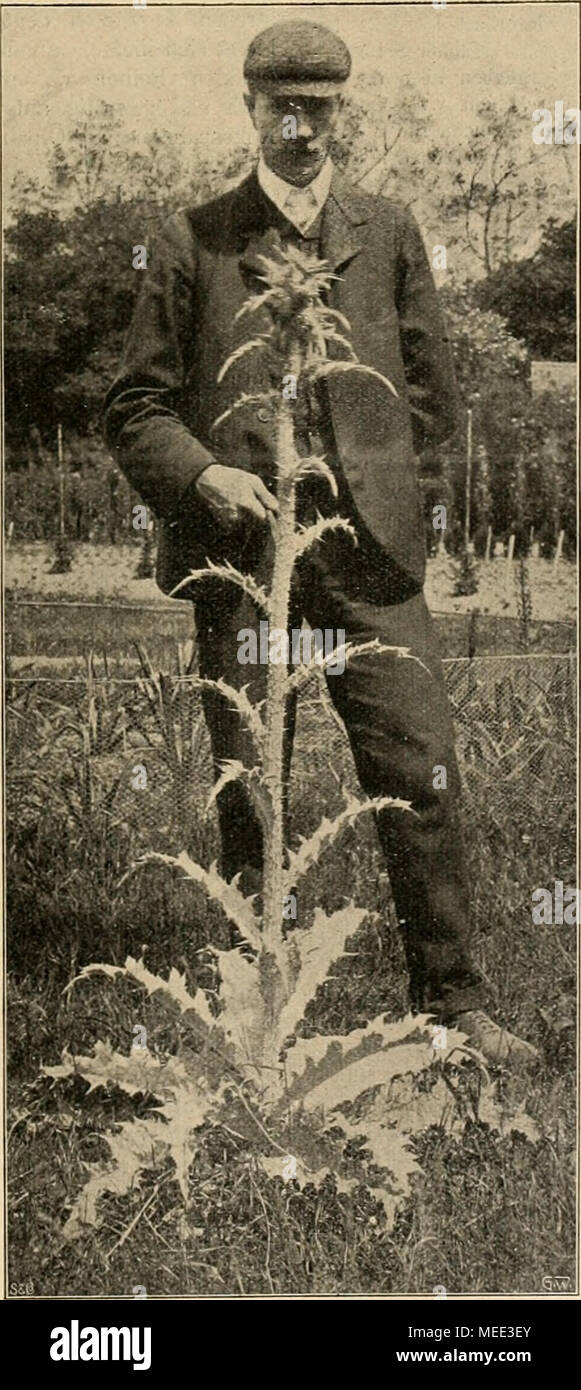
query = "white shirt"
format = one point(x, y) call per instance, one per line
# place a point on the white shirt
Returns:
point(301, 205)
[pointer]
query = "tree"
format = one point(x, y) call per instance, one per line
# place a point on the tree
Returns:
point(484, 349)
point(69, 291)
point(385, 144)
point(70, 282)
point(524, 446)
point(491, 368)
point(497, 187)
point(537, 295)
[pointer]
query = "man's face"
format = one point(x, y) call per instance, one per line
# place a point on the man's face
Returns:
point(296, 148)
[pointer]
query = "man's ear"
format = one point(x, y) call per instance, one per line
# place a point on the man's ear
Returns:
point(250, 103)
point(339, 115)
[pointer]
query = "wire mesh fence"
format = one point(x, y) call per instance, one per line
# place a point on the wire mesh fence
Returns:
point(135, 741)
point(515, 719)
point(105, 763)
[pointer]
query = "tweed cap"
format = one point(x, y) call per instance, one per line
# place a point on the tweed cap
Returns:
point(298, 58)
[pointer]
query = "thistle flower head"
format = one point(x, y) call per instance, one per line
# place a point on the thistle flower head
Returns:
point(296, 279)
point(295, 284)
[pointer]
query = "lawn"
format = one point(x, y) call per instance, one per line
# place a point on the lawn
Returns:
point(109, 571)
point(100, 604)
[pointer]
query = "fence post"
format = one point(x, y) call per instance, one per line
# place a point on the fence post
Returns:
point(468, 478)
point(509, 559)
point(573, 674)
point(488, 543)
point(62, 561)
point(59, 446)
point(559, 550)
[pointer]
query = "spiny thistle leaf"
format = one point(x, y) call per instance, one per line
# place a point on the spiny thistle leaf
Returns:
point(236, 907)
point(232, 771)
point(144, 1143)
point(337, 316)
point(136, 1147)
point(312, 1061)
point(389, 1150)
point(326, 369)
point(254, 344)
point(242, 1017)
point(400, 1109)
point(306, 536)
point(140, 1143)
point(256, 301)
point(315, 465)
point(183, 1117)
point(331, 336)
point(244, 400)
point(227, 571)
point(348, 651)
point(327, 831)
point(318, 947)
point(140, 1071)
point(412, 1109)
point(377, 1069)
point(273, 1166)
point(235, 771)
point(247, 711)
point(385, 1146)
point(504, 1118)
point(174, 987)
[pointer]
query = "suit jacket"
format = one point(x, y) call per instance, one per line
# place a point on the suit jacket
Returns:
point(162, 405)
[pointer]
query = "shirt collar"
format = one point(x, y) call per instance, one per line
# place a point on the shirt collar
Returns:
point(304, 204)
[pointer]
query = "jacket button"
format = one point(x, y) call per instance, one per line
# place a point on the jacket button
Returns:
point(263, 414)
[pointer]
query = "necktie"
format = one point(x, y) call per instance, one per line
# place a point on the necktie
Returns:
point(300, 207)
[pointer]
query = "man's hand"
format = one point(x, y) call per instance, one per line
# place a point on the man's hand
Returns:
point(230, 492)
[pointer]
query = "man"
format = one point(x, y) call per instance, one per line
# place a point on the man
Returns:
point(213, 490)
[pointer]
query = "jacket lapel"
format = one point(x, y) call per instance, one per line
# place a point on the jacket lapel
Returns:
point(252, 235)
point(254, 231)
point(344, 216)
point(343, 227)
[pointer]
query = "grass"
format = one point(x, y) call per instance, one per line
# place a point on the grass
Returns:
point(489, 1215)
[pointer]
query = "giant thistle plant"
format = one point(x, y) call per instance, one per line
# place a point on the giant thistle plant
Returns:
point(298, 1102)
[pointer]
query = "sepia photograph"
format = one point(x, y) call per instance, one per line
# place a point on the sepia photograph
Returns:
point(290, 688)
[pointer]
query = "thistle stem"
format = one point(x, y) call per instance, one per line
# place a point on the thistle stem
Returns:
point(278, 678)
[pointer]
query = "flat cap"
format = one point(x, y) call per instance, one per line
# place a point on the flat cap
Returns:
point(298, 57)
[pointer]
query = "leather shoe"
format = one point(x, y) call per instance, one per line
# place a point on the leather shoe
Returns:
point(494, 1042)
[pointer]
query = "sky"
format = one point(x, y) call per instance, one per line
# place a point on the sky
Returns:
point(179, 67)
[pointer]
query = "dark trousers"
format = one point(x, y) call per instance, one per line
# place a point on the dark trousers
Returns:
point(398, 722)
